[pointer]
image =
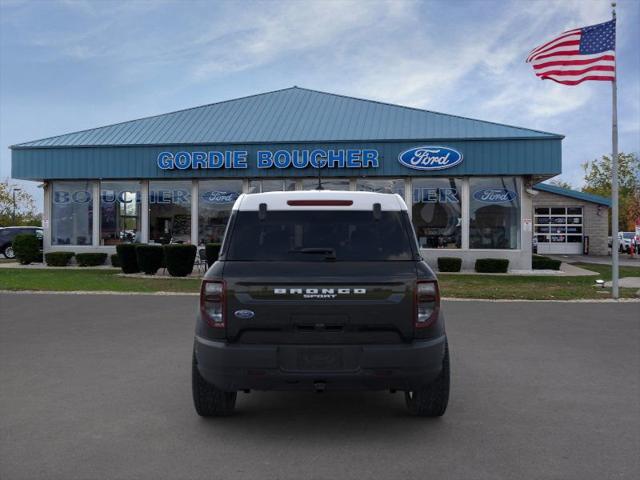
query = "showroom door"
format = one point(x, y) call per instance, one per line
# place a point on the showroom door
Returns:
point(558, 229)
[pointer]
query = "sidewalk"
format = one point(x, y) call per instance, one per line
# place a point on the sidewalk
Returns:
point(624, 259)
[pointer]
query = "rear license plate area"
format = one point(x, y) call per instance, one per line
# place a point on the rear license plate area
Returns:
point(313, 359)
point(319, 359)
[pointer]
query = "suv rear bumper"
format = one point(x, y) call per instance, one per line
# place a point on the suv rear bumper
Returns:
point(233, 367)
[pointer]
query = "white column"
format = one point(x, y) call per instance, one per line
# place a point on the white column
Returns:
point(245, 185)
point(144, 211)
point(95, 237)
point(352, 184)
point(408, 195)
point(46, 216)
point(194, 212)
point(465, 213)
point(526, 213)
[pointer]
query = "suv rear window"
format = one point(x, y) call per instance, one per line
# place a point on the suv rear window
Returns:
point(306, 235)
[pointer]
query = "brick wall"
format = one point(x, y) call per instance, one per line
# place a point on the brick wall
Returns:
point(595, 226)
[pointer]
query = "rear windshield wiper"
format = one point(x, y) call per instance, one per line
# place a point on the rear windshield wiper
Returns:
point(330, 253)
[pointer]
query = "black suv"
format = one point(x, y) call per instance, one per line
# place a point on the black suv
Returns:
point(7, 234)
point(320, 291)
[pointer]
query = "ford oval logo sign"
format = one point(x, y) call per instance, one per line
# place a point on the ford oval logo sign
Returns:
point(430, 158)
point(244, 314)
point(495, 195)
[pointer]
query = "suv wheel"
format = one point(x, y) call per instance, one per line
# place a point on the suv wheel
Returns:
point(8, 252)
point(431, 400)
point(208, 400)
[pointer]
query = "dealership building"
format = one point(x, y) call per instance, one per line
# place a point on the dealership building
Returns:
point(472, 187)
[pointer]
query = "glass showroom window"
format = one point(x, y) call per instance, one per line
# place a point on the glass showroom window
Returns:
point(381, 185)
point(437, 212)
point(269, 185)
point(170, 212)
point(119, 212)
point(494, 213)
point(72, 213)
point(327, 183)
point(216, 198)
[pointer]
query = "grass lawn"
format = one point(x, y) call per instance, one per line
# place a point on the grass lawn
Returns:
point(534, 287)
point(89, 280)
point(459, 286)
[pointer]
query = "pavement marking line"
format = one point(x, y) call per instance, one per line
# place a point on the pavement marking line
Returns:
point(194, 294)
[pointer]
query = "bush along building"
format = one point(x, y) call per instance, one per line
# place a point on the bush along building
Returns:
point(472, 186)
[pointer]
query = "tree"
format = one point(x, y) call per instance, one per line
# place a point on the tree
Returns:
point(558, 182)
point(25, 207)
point(597, 178)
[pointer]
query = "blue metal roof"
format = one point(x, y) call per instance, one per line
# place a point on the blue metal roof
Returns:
point(291, 115)
point(565, 192)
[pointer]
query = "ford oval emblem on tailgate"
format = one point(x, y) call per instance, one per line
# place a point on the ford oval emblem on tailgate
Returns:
point(244, 314)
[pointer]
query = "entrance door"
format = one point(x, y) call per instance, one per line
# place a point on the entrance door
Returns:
point(559, 230)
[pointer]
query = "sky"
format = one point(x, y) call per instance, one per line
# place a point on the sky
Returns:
point(72, 65)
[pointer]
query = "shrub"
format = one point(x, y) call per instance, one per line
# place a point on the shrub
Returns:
point(179, 259)
point(27, 248)
point(149, 258)
point(127, 257)
point(212, 250)
point(545, 263)
point(58, 259)
point(115, 260)
point(90, 259)
point(449, 264)
point(492, 265)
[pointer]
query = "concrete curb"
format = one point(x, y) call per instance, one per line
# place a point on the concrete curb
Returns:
point(446, 299)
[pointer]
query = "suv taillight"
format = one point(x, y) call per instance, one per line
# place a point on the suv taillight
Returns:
point(427, 303)
point(212, 303)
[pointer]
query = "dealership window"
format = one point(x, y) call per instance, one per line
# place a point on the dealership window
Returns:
point(381, 185)
point(216, 198)
point(327, 183)
point(72, 213)
point(119, 212)
point(270, 185)
point(437, 212)
point(169, 212)
point(494, 213)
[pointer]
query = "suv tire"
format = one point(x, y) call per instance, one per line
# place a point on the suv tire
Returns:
point(208, 400)
point(432, 399)
point(8, 252)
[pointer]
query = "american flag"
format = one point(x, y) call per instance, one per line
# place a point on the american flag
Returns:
point(587, 53)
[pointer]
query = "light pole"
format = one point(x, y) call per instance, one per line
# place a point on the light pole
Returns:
point(14, 203)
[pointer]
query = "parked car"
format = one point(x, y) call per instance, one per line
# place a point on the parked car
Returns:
point(320, 290)
point(7, 234)
point(625, 240)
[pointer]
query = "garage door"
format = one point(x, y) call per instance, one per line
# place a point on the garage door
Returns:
point(558, 229)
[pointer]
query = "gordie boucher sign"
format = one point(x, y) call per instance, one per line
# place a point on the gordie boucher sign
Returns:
point(418, 158)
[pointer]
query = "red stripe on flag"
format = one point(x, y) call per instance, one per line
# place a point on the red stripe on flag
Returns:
point(569, 51)
point(576, 82)
point(574, 62)
point(599, 68)
point(557, 45)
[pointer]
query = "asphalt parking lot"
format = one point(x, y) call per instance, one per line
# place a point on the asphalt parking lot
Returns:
point(99, 387)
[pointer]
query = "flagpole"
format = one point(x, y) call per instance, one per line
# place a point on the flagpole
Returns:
point(614, 177)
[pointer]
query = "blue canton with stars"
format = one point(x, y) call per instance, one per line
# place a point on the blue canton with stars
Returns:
point(598, 38)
